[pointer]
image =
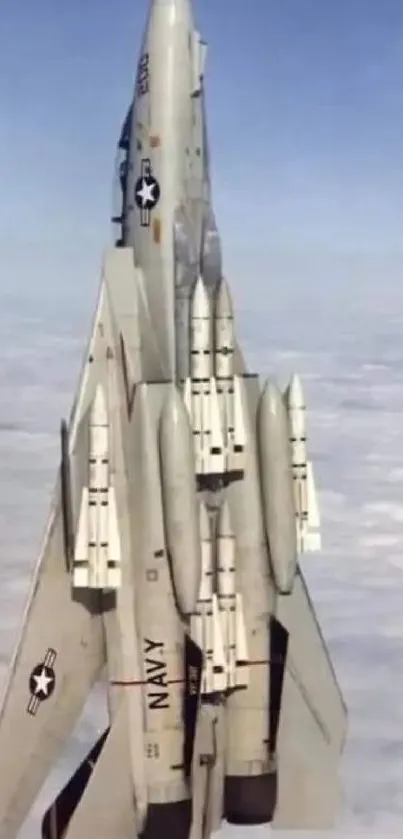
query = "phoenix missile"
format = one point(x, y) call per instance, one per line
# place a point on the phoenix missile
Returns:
point(228, 384)
point(307, 513)
point(205, 622)
point(97, 553)
point(230, 603)
point(200, 392)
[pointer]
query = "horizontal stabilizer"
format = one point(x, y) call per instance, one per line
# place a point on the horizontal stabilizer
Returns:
point(57, 818)
point(309, 663)
point(312, 724)
point(308, 786)
point(106, 806)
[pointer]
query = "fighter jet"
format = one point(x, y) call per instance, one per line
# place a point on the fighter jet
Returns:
point(170, 564)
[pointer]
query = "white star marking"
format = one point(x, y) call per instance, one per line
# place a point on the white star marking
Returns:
point(42, 683)
point(146, 193)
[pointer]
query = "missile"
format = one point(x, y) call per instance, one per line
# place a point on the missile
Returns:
point(207, 570)
point(248, 797)
point(306, 506)
point(205, 622)
point(179, 499)
point(224, 332)
point(230, 603)
point(200, 393)
point(200, 325)
point(228, 385)
point(277, 487)
point(97, 554)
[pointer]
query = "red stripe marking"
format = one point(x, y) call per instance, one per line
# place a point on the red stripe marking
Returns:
point(127, 683)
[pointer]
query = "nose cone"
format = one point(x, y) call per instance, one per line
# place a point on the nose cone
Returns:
point(174, 427)
point(175, 5)
point(200, 304)
point(271, 403)
point(223, 302)
point(174, 11)
point(296, 394)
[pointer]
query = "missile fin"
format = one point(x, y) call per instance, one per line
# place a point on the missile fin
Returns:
point(187, 398)
point(81, 556)
point(219, 658)
point(242, 675)
point(239, 423)
point(308, 523)
point(114, 559)
point(217, 456)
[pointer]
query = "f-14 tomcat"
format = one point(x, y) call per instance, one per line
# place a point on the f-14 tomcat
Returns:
point(170, 563)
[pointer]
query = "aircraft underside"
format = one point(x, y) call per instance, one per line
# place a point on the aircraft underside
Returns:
point(170, 566)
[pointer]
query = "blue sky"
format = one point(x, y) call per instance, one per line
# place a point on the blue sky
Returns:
point(305, 113)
